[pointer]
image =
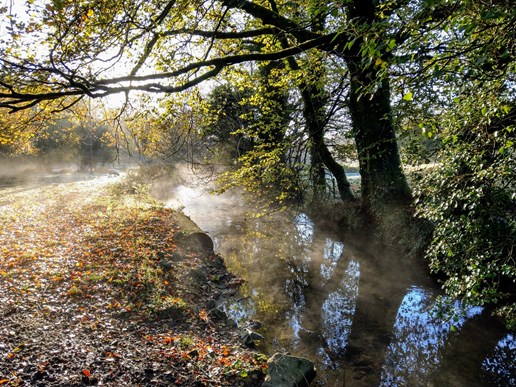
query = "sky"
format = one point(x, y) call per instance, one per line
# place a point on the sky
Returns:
point(18, 10)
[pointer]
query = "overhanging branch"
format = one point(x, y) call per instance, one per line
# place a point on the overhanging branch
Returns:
point(272, 18)
point(15, 100)
point(223, 34)
point(226, 61)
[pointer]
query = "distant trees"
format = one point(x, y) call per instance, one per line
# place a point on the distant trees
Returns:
point(16, 131)
point(63, 138)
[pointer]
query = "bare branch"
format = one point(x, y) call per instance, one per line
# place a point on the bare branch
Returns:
point(15, 98)
point(146, 52)
point(226, 61)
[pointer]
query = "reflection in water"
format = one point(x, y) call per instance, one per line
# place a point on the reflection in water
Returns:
point(332, 252)
point(502, 363)
point(319, 297)
point(298, 267)
point(418, 336)
point(242, 310)
point(305, 228)
point(337, 314)
point(294, 289)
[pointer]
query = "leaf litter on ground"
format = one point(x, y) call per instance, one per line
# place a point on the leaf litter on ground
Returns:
point(84, 300)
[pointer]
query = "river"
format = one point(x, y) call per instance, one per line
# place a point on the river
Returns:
point(364, 314)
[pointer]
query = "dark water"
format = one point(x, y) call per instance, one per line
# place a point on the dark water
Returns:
point(366, 316)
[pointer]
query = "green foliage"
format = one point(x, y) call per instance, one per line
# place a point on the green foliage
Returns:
point(253, 120)
point(228, 114)
point(470, 198)
point(264, 174)
point(462, 104)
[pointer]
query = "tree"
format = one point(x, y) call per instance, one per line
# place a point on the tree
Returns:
point(470, 199)
point(228, 115)
point(56, 142)
point(192, 42)
point(17, 131)
point(263, 166)
point(469, 196)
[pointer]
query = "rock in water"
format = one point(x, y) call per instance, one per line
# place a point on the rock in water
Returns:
point(289, 371)
point(200, 241)
point(248, 337)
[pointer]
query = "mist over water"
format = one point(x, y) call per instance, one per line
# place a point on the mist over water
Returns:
point(363, 313)
point(34, 172)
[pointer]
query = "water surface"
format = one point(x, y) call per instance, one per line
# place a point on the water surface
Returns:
point(365, 315)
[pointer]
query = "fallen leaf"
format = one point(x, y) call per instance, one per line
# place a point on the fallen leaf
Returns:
point(168, 340)
point(203, 315)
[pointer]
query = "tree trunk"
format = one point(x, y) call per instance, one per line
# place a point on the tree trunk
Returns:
point(317, 173)
point(313, 106)
point(383, 181)
point(312, 112)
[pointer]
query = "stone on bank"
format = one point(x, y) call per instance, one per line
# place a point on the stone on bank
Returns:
point(289, 371)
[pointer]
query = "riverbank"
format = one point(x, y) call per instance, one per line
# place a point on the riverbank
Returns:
point(358, 308)
point(101, 286)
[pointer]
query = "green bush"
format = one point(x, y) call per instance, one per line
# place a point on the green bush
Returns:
point(470, 199)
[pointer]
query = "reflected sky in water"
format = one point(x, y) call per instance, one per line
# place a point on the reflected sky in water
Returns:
point(502, 363)
point(305, 228)
point(332, 252)
point(304, 285)
point(241, 311)
point(338, 309)
point(418, 336)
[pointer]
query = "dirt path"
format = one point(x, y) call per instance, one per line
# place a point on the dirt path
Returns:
point(96, 288)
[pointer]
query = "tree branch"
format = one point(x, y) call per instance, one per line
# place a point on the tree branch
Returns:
point(272, 18)
point(226, 61)
point(222, 34)
point(18, 100)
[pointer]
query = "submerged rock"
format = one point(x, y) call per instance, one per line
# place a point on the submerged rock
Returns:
point(289, 371)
